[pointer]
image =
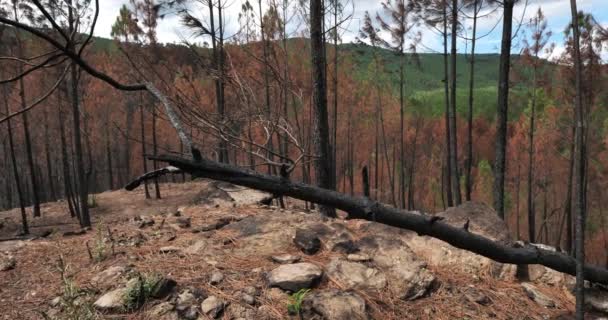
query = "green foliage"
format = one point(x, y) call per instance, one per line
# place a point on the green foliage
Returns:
point(140, 292)
point(295, 301)
point(100, 251)
point(74, 302)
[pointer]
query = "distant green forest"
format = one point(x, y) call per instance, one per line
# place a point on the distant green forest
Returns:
point(423, 79)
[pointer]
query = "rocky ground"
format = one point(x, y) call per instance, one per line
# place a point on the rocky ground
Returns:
point(209, 250)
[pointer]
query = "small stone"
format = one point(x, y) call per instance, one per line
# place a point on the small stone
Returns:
point(294, 277)
point(533, 293)
point(112, 300)
point(144, 221)
point(358, 257)
point(162, 311)
point(55, 302)
point(212, 306)
point(110, 276)
point(248, 299)
point(7, 262)
point(285, 258)
point(182, 222)
point(307, 241)
point(251, 290)
point(169, 249)
point(216, 278)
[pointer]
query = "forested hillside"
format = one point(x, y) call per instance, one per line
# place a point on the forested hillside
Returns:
point(383, 128)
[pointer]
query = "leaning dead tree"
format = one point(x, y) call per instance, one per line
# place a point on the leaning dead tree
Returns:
point(356, 207)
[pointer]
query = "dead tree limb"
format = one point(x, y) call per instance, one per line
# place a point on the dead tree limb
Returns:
point(360, 208)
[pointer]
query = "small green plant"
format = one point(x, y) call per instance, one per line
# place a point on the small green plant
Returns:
point(100, 250)
point(73, 303)
point(92, 201)
point(295, 301)
point(137, 294)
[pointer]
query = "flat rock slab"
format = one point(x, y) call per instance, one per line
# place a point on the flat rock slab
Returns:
point(285, 258)
point(294, 277)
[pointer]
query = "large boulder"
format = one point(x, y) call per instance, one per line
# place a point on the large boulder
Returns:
point(537, 296)
point(294, 277)
point(334, 305)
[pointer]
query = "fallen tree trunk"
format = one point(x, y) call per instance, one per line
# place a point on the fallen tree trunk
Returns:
point(363, 208)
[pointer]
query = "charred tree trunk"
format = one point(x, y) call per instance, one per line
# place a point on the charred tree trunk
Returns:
point(11, 143)
point(323, 162)
point(448, 176)
point(143, 146)
point(500, 162)
point(453, 129)
point(469, 162)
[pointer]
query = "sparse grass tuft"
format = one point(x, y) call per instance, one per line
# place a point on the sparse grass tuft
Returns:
point(138, 294)
point(295, 301)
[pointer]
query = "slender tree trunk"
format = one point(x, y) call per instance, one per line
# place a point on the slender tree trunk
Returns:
point(581, 158)
point(448, 176)
point(222, 100)
point(155, 151)
point(410, 187)
point(517, 191)
point(469, 162)
point(335, 111)
point(323, 165)
point(49, 166)
point(568, 205)
point(401, 170)
point(267, 110)
point(26, 131)
point(500, 162)
point(67, 178)
point(85, 220)
point(143, 146)
point(24, 225)
point(454, 131)
point(531, 211)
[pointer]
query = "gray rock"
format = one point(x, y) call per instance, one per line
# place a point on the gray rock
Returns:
point(251, 290)
point(112, 301)
point(355, 275)
point(334, 305)
point(110, 276)
point(248, 299)
point(213, 306)
point(216, 278)
point(294, 277)
point(307, 240)
point(143, 221)
point(169, 249)
point(162, 311)
point(7, 262)
point(285, 258)
point(533, 293)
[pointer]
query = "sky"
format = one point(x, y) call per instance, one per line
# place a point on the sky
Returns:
point(557, 13)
